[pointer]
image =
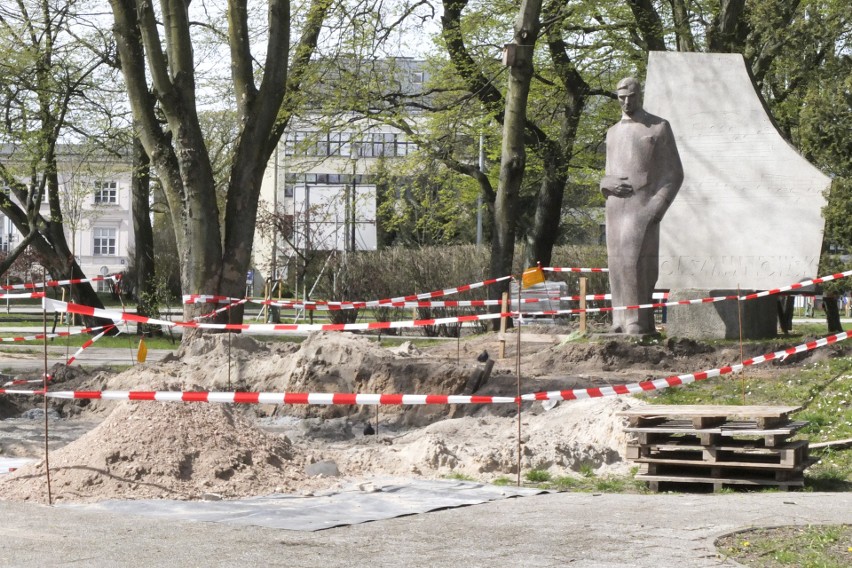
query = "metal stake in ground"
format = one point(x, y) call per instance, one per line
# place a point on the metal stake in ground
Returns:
point(518, 373)
point(740, 319)
point(229, 344)
point(44, 387)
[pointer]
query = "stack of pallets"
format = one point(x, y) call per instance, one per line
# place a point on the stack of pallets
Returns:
point(717, 446)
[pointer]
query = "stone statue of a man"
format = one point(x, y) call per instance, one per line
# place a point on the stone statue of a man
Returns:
point(643, 175)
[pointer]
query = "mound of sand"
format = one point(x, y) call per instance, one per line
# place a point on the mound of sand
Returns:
point(191, 450)
point(571, 437)
point(164, 450)
point(324, 362)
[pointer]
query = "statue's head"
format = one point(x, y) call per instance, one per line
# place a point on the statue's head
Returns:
point(629, 92)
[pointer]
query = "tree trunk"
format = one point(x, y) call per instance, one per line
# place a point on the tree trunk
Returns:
point(680, 15)
point(832, 314)
point(556, 154)
point(727, 31)
point(649, 23)
point(513, 155)
point(140, 191)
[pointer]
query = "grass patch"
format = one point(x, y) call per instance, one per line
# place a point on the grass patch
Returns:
point(459, 477)
point(825, 546)
point(114, 342)
point(537, 476)
point(589, 483)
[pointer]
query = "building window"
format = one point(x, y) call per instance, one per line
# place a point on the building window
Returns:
point(417, 77)
point(106, 192)
point(104, 241)
point(295, 144)
point(338, 144)
point(322, 146)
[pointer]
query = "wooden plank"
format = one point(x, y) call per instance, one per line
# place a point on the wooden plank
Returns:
point(646, 421)
point(727, 429)
point(833, 444)
point(705, 422)
point(633, 452)
point(688, 468)
point(789, 457)
point(726, 445)
point(751, 465)
point(767, 422)
point(655, 480)
point(689, 410)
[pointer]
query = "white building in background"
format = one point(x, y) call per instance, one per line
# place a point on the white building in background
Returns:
point(97, 214)
point(323, 186)
point(323, 182)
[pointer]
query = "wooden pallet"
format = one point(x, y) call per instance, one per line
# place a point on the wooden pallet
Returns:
point(737, 453)
point(708, 416)
point(708, 436)
point(717, 446)
point(682, 482)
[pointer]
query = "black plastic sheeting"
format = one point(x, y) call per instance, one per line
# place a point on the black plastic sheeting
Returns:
point(362, 503)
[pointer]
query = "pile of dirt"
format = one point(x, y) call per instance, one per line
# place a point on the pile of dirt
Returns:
point(189, 451)
point(615, 359)
point(323, 362)
point(580, 436)
point(165, 450)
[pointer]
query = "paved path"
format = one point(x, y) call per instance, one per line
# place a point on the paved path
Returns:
point(19, 358)
point(555, 530)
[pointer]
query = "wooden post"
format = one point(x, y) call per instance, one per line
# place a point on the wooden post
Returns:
point(583, 304)
point(503, 309)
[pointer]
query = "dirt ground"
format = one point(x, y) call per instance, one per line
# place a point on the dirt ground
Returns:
point(126, 450)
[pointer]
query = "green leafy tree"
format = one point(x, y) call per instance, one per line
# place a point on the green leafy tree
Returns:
point(45, 73)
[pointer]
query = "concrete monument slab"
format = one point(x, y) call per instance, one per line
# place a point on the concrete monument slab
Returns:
point(748, 212)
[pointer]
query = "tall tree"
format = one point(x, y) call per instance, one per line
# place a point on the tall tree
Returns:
point(44, 74)
point(215, 255)
point(518, 56)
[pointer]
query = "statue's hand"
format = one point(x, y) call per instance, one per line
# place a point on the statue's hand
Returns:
point(617, 186)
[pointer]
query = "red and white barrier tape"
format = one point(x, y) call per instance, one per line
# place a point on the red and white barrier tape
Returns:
point(799, 285)
point(564, 269)
point(441, 303)
point(635, 307)
point(21, 296)
point(419, 399)
point(207, 299)
point(16, 382)
point(419, 304)
point(87, 344)
point(53, 335)
point(332, 306)
point(712, 299)
point(677, 380)
point(267, 328)
point(201, 298)
point(220, 310)
point(282, 397)
point(54, 283)
point(418, 300)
